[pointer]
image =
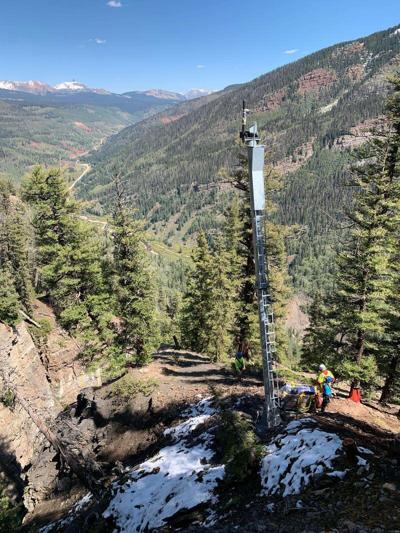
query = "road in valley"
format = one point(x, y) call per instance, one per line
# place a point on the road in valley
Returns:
point(87, 169)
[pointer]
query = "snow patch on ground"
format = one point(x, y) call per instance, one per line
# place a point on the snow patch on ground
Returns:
point(296, 456)
point(64, 522)
point(197, 414)
point(179, 477)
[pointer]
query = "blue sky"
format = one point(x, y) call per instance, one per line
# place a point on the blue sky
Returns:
point(123, 45)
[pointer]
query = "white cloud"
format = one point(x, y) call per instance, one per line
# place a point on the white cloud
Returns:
point(100, 41)
point(291, 51)
point(200, 66)
point(114, 3)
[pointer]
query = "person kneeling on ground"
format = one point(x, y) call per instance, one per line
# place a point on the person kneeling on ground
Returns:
point(325, 381)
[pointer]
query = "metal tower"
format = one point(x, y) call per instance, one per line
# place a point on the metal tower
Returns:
point(267, 331)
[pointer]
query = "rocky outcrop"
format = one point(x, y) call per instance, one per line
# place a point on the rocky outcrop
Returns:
point(36, 382)
point(315, 80)
point(355, 72)
point(299, 157)
point(60, 353)
point(22, 372)
point(359, 134)
point(272, 101)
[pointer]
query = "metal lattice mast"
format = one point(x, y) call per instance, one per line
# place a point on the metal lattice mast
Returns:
point(266, 318)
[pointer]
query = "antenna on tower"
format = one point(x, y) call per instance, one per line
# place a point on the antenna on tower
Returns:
point(255, 153)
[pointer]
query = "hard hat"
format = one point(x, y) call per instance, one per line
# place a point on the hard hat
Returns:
point(322, 367)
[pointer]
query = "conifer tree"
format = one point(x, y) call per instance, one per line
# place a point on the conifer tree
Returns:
point(9, 300)
point(69, 261)
point(134, 288)
point(389, 361)
point(363, 320)
point(208, 304)
point(15, 243)
point(196, 311)
point(222, 303)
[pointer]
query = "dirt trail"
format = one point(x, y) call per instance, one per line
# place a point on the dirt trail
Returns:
point(87, 169)
point(183, 376)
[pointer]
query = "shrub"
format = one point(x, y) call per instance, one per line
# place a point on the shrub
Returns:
point(128, 387)
point(242, 450)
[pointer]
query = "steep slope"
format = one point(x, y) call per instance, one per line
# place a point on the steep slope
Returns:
point(310, 112)
point(46, 127)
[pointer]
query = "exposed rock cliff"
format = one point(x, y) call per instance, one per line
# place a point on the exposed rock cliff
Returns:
point(22, 372)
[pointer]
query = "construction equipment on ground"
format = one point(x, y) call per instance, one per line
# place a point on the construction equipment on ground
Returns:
point(267, 331)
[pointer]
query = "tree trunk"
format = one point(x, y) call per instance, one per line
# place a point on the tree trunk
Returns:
point(176, 342)
point(360, 351)
point(390, 381)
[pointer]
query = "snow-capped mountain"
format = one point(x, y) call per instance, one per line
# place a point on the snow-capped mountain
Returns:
point(74, 86)
point(78, 86)
point(39, 87)
point(196, 93)
point(31, 86)
point(188, 95)
point(71, 86)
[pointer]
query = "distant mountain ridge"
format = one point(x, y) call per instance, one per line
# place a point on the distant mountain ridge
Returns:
point(42, 88)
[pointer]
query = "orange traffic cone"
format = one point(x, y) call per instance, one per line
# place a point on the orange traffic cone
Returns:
point(355, 395)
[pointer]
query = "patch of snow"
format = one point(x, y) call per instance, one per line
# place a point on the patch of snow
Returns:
point(270, 507)
point(64, 522)
point(197, 414)
point(396, 32)
point(361, 449)
point(338, 473)
point(179, 477)
point(361, 461)
point(295, 457)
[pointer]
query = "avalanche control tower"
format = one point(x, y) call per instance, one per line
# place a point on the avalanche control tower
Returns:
point(267, 332)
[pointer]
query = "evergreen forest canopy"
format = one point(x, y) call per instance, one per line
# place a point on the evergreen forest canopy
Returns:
point(311, 114)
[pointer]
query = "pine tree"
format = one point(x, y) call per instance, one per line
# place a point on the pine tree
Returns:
point(134, 289)
point(9, 300)
point(197, 300)
point(389, 361)
point(222, 305)
point(363, 320)
point(208, 304)
point(69, 263)
point(15, 243)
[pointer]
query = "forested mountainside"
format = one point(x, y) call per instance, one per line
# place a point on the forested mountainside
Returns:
point(310, 114)
point(52, 128)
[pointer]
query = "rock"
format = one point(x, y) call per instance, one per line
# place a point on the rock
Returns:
point(351, 527)
point(21, 439)
point(390, 487)
point(88, 427)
